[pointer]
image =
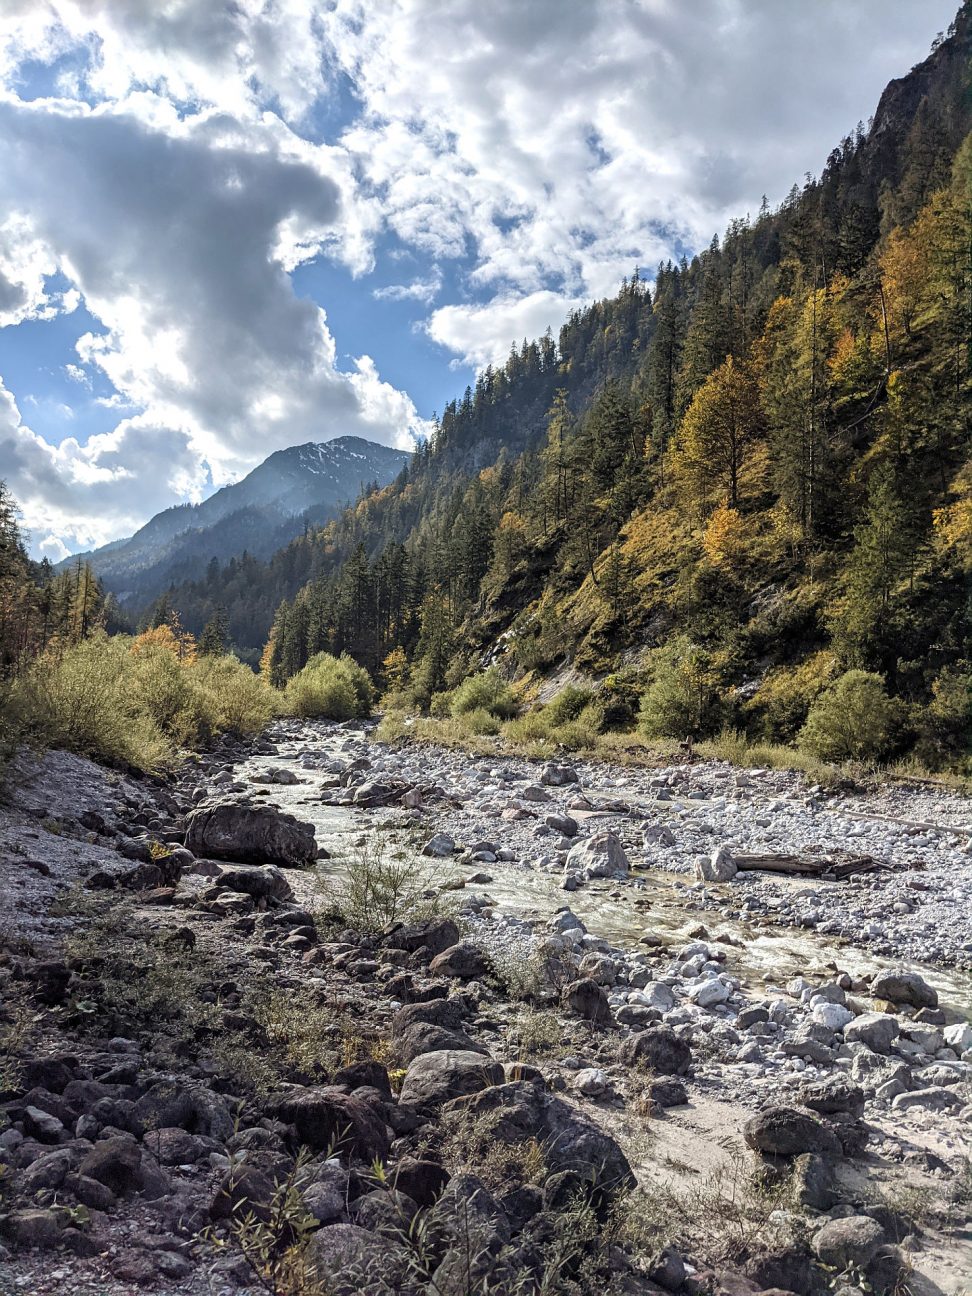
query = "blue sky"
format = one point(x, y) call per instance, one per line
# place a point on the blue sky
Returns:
point(226, 228)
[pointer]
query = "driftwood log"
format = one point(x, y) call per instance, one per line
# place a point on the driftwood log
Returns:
point(817, 866)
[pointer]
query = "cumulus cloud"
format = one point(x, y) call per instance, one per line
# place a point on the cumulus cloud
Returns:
point(180, 240)
point(183, 158)
point(481, 335)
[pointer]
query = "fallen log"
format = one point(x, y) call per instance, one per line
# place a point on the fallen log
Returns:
point(820, 866)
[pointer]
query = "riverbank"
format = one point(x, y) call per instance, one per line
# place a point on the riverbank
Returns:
point(646, 1022)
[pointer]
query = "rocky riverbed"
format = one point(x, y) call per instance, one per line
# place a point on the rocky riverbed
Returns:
point(562, 1077)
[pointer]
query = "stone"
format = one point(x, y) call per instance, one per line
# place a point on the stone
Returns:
point(425, 1037)
point(588, 1000)
point(439, 846)
point(386, 1211)
point(832, 1015)
point(709, 993)
point(787, 1132)
point(668, 1092)
point(433, 1078)
point(590, 1081)
point(554, 775)
point(934, 1098)
point(447, 1013)
point(834, 1093)
point(659, 1049)
point(250, 835)
point(658, 835)
point(848, 1243)
point(958, 1037)
point(465, 961)
point(599, 856)
point(877, 1031)
point(422, 1181)
point(34, 1228)
point(346, 1260)
point(259, 881)
point(431, 934)
point(720, 867)
point(327, 1119)
point(115, 1162)
point(812, 1182)
point(898, 986)
point(562, 823)
point(244, 1190)
point(42, 1125)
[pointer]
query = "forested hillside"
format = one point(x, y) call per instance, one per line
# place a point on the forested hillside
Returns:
point(730, 484)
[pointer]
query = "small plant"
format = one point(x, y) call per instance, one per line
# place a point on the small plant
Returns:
point(487, 692)
point(385, 883)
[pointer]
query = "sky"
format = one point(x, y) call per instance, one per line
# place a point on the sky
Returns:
point(229, 226)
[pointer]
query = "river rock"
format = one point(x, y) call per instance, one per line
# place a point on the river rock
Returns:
point(787, 1132)
point(259, 881)
point(439, 846)
point(900, 987)
point(434, 1078)
point(720, 867)
point(250, 835)
point(848, 1243)
point(432, 934)
point(660, 1049)
point(327, 1119)
point(588, 1000)
point(464, 960)
point(558, 775)
point(877, 1031)
point(599, 856)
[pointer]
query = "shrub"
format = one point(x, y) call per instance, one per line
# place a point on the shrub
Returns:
point(332, 688)
point(681, 701)
point(481, 722)
point(945, 724)
point(567, 705)
point(440, 705)
point(84, 700)
point(488, 692)
point(136, 701)
point(230, 697)
point(384, 883)
point(854, 719)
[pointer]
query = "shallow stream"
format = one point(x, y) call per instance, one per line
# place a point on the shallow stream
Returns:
point(653, 902)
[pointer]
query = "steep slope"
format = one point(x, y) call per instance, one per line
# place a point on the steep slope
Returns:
point(293, 488)
point(753, 476)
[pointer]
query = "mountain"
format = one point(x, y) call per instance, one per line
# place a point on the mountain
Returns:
point(292, 489)
point(724, 489)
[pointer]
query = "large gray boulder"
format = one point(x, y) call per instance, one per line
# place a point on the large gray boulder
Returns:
point(250, 835)
point(720, 867)
point(434, 1078)
point(347, 1260)
point(659, 1049)
point(261, 881)
point(599, 856)
point(849, 1242)
point(327, 1119)
point(900, 987)
point(877, 1031)
point(788, 1132)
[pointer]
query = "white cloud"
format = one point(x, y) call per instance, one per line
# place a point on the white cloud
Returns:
point(420, 290)
point(481, 335)
point(180, 240)
point(181, 173)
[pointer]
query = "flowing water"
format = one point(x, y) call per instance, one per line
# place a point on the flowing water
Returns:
point(654, 902)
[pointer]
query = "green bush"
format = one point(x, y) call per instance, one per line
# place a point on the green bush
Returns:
point(85, 700)
point(567, 705)
point(332, 688)
point(682, 700)
point(135, 702)
point(230, 697)
point(854, 719)
point(945, 724)
point(487, 691)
